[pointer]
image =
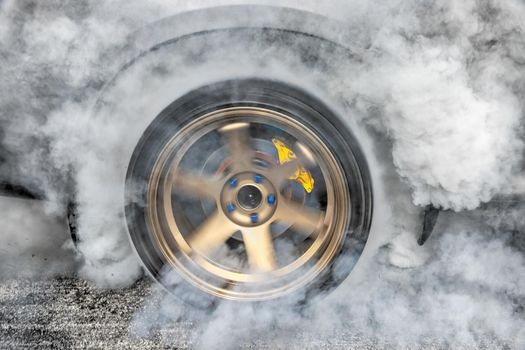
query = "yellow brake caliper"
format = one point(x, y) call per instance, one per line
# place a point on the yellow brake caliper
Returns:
point(301, 175)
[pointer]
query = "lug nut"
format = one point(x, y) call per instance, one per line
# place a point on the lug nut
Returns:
point(271, 199)
point(230, 207)
point(258, 178)
point(233, 182)
point(254, 218)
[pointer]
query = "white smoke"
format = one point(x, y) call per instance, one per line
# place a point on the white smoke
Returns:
point(443, 85)
point(25, 251)
point(446, 79)
point(455, 300)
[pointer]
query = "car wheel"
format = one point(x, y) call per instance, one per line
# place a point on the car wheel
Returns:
point(248, 189)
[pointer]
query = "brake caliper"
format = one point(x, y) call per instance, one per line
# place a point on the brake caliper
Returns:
point(301, 176)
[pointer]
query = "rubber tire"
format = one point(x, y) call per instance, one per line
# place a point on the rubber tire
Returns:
point(271, 94)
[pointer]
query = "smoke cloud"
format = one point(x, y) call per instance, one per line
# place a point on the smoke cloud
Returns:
point(435, 93)
point(455, 300)
point(450, 82)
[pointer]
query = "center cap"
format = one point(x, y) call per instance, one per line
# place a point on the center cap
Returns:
point(249, 197)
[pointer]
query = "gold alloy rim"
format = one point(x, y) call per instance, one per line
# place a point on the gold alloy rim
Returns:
point(263, 276)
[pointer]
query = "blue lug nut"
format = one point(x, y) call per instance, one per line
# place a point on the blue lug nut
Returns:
point(230, 207)
point(258, 178)
point(254, 218)
point(271, 199)
point(233, 182)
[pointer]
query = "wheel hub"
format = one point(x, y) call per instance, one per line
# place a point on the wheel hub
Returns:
point(248, 199)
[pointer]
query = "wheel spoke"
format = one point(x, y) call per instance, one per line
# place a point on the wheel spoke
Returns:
point(306, 220)
point(237, 140)
point(195, 185)
point(281, 173)
point(259, 248)
point(304, 154)
point(211, 234)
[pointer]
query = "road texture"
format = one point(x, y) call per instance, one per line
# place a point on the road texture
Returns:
point(68, 313)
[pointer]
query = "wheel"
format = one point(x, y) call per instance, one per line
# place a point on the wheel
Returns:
point(248, 189)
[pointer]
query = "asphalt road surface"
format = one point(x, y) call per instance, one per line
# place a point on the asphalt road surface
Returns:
point(68, 313)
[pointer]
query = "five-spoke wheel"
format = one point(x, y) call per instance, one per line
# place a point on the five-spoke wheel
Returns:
point(244, 202)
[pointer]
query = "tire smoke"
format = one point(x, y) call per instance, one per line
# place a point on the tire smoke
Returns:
point(435, 91)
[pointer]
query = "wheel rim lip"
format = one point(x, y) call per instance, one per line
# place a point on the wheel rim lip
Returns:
point(332, 246)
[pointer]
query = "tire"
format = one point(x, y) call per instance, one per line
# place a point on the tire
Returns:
point(149, 168)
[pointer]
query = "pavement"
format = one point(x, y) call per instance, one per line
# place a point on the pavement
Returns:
point(69, 313)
